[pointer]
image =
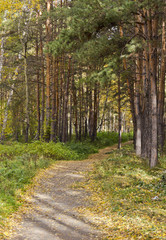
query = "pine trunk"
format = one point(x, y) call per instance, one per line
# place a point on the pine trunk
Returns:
point(152, 28)
point(43, 84)
point(38, 91)
point(53, 113)
point(48, 68)
point(26, 94)
point(119, 115)
point(161, 97)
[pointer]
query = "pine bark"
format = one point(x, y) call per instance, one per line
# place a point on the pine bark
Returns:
point(65, 107)
point(161, 97)
point(152, 28)
point(137, 101)
point(53, 113)
point(119, 114)
point(94, 134)
point(42, 83)
point(75, 102)
point(145, 94)
point(48, 69)
point(27, 117)
point(130, 89)
point(38, 90)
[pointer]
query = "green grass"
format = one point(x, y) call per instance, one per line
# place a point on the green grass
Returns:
point(132, 196)
point(56, 151)
point(104, 139)
point(19, 163)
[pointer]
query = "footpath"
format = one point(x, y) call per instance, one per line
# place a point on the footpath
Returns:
point(51, 212)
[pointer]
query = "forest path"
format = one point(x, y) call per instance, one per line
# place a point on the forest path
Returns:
point(52, 214)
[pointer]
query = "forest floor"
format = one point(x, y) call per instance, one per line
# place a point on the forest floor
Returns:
point(52, 202)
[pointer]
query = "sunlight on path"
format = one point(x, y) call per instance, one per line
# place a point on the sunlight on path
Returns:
point(51, 214)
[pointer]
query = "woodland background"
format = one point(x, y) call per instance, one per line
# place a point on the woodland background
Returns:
point(80, 75)
point(78, 67)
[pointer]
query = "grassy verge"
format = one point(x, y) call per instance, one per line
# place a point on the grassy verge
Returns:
point(130, 198)
point(20, 162)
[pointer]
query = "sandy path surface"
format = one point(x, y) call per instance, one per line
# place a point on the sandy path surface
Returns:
point(52, 215)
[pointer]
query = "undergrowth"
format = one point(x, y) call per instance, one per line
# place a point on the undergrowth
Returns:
point(130, 196)
point(19, 163)
point(104, 139)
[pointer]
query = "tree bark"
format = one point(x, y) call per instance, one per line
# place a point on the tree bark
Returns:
point(119, 115)
point(38, 87)
point(48, 68)
point(80, 110)
point(26, 93)
point(94, 133)
point(53, 113)
point(130, 90)
point(161, 97)
point(75, 103)
point(137, 99)
point(152, 28)
point(65, 110)
point(43, 84)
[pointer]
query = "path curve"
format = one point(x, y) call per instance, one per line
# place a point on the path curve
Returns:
point(52, 215)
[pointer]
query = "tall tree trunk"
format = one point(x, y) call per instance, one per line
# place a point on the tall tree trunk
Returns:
point(43, 84)
point(65, 110)
point(152, 29)
point(145, 94)
point(53, 116)
point(71, 118)
point(48, 69)
point(64, 81)
point(1, 68)
point(91, 113)
point(75, 102)
point(80, 111)
point(94, 134)
point(161, 97)
point(57, 99)
point(130, 90)
point(60, 100)
point(86, 112)
point(26, 93)
point(38, 89)
point(137, 98)
point(119, 114)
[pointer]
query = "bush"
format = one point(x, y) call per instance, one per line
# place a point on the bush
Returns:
point(83, 149)
point(57, 151)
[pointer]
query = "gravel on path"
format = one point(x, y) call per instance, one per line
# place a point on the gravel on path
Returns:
point(53, 214)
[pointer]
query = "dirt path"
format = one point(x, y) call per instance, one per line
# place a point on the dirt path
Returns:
point(52, 215)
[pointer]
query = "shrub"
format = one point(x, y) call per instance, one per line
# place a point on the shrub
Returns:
point(83, 149)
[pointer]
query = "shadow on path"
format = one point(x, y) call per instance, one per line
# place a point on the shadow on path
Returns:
point(53, 215)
